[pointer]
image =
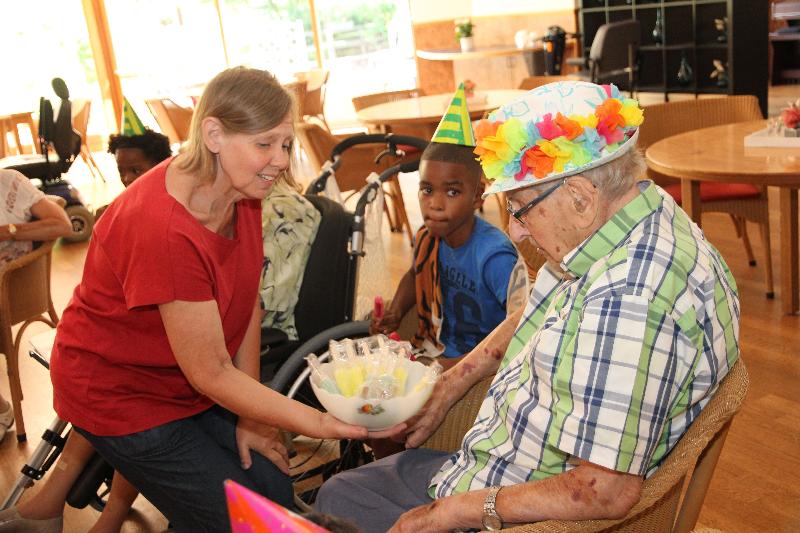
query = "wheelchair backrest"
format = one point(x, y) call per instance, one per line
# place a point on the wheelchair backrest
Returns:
point(327, 292)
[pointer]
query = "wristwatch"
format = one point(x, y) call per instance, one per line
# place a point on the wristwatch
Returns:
point(12, 230)
point(491, 520)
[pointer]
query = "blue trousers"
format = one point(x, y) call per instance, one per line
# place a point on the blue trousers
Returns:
point(374, 496)
point(181, 466)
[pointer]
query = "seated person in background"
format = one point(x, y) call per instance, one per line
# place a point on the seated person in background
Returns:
point(26, 215)
point(464, 268)
point(606, 367)
point(289, 225)
point(135, 155)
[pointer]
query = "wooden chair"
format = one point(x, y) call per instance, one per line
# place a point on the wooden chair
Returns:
point(532, 82)
point(80, 122)
point(9, 124)
point(358, 163)
point(665, 504)
point(174, 120)
point(367, 100)
point(314, 100)
point(24, 298)
point(742, 202)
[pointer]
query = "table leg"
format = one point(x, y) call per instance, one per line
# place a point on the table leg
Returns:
point(790, 271)
point(690, 199)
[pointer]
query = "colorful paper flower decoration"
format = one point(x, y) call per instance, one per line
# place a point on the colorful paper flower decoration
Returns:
point(517, 142)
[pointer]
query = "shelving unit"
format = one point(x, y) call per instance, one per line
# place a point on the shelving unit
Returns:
point(688, 30)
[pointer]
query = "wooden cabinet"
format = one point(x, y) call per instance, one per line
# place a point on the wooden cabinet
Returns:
point(688, 39)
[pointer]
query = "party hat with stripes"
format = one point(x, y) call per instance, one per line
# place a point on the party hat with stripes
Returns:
point(131, 124)
point(455, 126)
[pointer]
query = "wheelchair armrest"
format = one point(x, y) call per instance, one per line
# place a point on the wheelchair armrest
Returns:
point(271, 337)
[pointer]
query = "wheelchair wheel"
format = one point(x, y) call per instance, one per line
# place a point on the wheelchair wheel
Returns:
point(313, 461)
point(82, 221)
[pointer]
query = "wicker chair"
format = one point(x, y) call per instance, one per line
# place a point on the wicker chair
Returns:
point(661, 507)
point(358, 163)
point(743, 202)
point(24, 298)
point(533, 82)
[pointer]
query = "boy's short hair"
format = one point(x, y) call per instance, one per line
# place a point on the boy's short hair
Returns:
point(154, 145)
point(456, 154)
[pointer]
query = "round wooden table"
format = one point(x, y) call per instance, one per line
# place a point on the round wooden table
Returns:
point(719, 154)
point(425, 112)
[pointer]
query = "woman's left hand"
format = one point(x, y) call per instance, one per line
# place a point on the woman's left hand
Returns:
point(261, 438)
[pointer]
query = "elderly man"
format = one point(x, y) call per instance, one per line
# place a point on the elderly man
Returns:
point(629, 328)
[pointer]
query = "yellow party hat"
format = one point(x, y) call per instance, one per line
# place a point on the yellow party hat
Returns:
point(455, 126)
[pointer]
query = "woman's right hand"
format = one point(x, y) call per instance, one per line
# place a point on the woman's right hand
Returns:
point(332, 427)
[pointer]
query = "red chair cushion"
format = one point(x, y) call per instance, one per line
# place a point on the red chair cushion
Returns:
point(712, 191)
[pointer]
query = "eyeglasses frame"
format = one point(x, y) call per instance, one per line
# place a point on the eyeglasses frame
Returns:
point(519, 213)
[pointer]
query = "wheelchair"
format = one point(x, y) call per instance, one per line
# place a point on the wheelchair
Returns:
point(325, 309)
point(45, 170)
point(94, 483)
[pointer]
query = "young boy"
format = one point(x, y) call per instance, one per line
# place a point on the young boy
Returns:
point(463, 265)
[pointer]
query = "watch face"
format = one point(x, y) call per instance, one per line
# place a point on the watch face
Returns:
point(492, 523)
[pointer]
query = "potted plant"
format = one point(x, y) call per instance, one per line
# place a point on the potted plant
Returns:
point(464, 29)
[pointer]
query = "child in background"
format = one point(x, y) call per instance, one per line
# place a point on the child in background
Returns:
point(136, 154)
point(465, 270)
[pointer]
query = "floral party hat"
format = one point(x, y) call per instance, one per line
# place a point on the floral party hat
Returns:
point(252, 513)
point(455, 126)
point(131, 124)
point(556, 130)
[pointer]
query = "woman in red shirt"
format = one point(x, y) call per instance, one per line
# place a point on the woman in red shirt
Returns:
point(156, 358)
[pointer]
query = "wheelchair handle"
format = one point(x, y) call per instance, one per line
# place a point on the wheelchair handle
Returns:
point(367, 196)
point(355, 140)
point(389, 139)
point(370, 190)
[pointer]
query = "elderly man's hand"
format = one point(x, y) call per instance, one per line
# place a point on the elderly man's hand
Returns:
point(422, 426)
point(423, 519)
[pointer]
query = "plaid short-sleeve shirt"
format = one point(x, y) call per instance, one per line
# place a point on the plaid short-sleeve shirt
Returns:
point(611, 362)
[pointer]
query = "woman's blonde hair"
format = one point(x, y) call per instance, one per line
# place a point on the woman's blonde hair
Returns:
point(244, 100)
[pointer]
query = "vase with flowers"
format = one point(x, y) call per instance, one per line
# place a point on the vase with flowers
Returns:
point(464, 28)
point(790, 116)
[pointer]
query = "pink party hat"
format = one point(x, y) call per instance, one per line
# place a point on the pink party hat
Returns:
point(252, 513)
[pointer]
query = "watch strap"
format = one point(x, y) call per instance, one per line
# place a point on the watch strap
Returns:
point(491, 520)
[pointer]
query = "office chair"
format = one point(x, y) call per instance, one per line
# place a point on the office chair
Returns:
point(613, 55)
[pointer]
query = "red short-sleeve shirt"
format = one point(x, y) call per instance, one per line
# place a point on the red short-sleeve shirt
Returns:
point(112, 368)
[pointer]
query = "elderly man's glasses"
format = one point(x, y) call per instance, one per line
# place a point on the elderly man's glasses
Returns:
point(519, 213)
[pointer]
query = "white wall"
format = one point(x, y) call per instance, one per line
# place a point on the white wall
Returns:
point(432, 10)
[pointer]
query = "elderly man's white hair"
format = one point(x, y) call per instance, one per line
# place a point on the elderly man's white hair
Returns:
point(616, 177)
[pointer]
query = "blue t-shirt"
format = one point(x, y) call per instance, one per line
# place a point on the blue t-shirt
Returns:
point(474, 280)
